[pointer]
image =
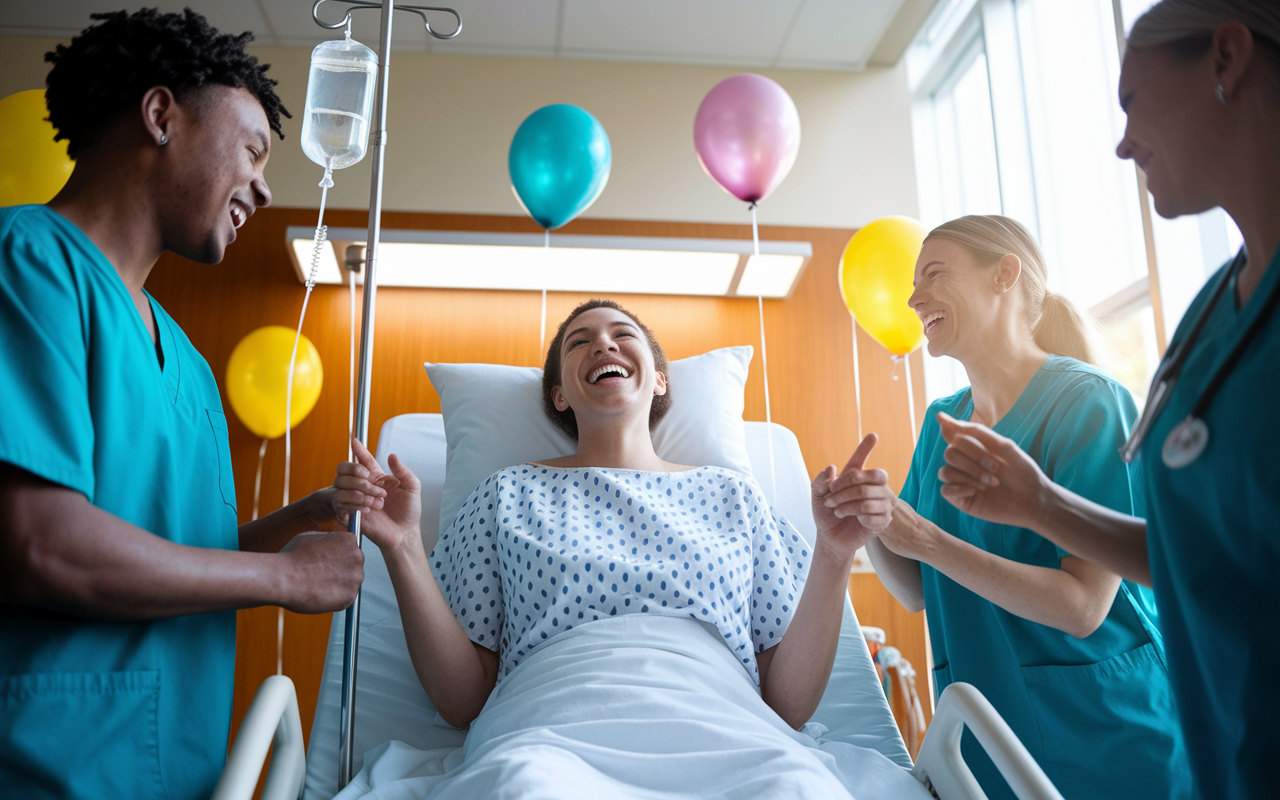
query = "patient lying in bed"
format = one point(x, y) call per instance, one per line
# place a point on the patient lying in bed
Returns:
point(613, 625)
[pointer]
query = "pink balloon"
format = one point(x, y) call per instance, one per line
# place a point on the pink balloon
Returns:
point(747, 133)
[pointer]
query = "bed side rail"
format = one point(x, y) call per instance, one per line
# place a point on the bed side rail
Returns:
point(942, 770)
point(272, 720)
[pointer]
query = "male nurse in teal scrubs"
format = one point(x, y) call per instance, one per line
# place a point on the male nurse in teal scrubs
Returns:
point(121, 563)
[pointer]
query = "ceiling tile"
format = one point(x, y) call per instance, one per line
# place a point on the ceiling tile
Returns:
point(69, 17)
point(836, 34)
point(811, 34)
point(698, 31)
point(488, 24)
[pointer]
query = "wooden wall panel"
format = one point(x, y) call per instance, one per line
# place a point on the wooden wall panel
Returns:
point(810, 372)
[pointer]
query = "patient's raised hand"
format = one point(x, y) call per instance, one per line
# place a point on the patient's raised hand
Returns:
point(390, 504)
point(853, 505)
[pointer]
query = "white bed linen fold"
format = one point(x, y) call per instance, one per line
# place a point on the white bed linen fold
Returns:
point(639, 706)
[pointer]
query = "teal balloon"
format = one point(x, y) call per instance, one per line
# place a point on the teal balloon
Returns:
point(559, 163)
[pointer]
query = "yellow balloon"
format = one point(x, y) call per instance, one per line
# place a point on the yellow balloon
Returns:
point(876, 275)
point(33, 167)
point(257, 376)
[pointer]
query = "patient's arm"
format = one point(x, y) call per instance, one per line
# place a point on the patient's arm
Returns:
point(60, 552)
point(794, 673)
point(456, 673)
point(848, 509)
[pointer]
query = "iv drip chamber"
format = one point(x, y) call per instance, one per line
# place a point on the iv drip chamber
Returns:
point(340, 88)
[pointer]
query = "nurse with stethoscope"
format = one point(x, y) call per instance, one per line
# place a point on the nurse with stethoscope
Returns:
point(1201, 87)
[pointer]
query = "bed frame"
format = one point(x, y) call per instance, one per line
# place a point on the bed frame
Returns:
point(273, 720)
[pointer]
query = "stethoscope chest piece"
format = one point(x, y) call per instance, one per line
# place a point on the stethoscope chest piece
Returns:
point(1185, 443)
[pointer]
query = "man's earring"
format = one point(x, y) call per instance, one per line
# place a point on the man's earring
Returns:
point(1220, 94)
point(164, 139)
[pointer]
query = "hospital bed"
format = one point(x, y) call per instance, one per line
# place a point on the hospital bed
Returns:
point(391, 704)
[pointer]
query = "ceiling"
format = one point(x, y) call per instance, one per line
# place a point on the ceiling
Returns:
point(836, 35)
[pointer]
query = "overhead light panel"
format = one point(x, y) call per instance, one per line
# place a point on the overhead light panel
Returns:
point(770, 275)
point(603, 264)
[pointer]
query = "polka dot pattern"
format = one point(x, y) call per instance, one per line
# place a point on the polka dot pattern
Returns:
point(537, 550)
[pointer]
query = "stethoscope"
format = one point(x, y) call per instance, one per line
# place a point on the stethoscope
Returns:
point(1188, 439)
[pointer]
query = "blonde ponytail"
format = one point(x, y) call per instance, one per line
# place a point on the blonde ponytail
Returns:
point(1057, 326)
point(1064, 331)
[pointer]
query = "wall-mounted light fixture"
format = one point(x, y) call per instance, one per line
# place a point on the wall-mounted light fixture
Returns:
point(603, 264)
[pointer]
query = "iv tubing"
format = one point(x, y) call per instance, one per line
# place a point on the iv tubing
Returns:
point(322, 233)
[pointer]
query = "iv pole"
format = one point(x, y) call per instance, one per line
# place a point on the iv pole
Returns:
point(378, 140)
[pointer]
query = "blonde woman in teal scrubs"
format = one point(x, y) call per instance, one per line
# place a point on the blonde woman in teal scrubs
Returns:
point(1066, 651)
point(1201, 86)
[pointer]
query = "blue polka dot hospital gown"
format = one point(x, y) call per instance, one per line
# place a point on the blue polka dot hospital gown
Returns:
point(538, 550)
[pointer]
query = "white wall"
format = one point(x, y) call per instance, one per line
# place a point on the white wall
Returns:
point(452, 118)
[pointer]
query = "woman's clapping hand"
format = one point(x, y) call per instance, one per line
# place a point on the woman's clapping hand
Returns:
point(988, 476)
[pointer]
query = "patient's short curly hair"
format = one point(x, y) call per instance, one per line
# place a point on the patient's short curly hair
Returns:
point(551, 376)
point(109, 66)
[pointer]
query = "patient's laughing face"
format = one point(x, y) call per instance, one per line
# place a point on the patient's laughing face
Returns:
point(606, 368)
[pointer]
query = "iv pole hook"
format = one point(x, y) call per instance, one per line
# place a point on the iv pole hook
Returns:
point(357, 5)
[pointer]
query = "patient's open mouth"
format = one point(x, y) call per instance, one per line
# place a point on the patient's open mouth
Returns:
point(930, 320)
point(607, 371)
point(238, 216)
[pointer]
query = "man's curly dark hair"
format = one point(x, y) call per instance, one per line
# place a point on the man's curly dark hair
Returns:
point(108, 67)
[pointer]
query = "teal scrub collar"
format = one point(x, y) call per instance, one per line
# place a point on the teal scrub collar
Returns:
point(1188, 439)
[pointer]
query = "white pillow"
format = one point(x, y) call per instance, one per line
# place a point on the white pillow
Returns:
point(493, 418)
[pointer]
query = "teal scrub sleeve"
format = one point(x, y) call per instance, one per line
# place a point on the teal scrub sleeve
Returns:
point(1081, 451)
point(46, 427)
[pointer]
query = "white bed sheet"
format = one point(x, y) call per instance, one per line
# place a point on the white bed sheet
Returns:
point(391, 705)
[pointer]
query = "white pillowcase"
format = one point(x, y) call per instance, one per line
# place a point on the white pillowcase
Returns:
point(493, 418)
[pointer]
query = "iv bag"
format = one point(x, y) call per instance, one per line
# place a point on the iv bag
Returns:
point(335, 122)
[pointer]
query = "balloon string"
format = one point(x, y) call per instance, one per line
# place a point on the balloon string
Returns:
point(764, 363)
point(857, 376)
point(911, 401)
point(257, 478)
point(542, 326)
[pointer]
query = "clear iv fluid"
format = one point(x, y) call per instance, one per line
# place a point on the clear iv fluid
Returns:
point(337, 135)
point(340, 88)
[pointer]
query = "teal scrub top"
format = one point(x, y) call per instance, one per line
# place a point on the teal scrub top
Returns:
point(1213, 536)
point(1096, 713)
point(93, 709)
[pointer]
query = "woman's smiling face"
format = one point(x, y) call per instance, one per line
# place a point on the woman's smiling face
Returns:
point(1170, 130)
point(606, 366)
point(956, 298)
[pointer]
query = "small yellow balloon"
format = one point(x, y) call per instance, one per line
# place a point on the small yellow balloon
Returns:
point(257, 377)
point(33, 167)
point(877, 272)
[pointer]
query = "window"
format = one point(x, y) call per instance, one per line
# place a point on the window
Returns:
point(1015, 112)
